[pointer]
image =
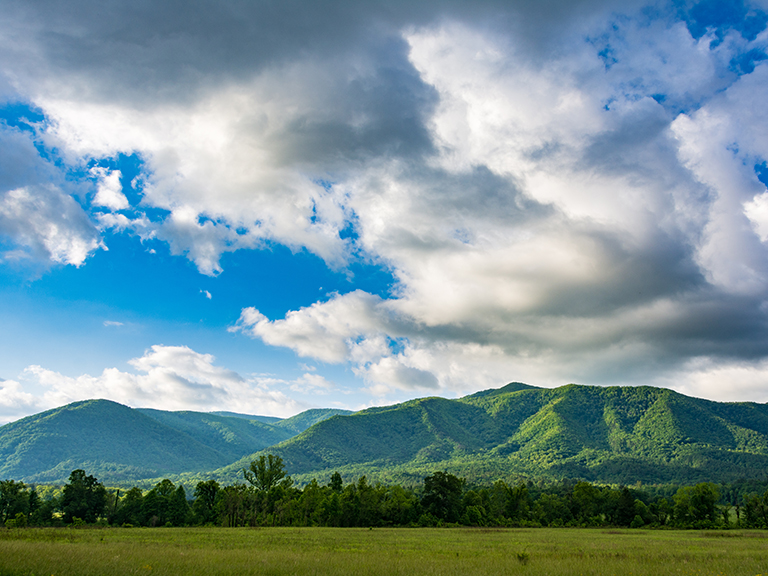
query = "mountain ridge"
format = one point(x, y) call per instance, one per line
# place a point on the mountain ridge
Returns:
point(122, 444)
point(609, 434)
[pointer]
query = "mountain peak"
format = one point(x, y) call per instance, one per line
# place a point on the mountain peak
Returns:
point(511, 387)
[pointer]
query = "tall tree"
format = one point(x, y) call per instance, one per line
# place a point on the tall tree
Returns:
point(204, 507)
point(442, 496)
point(265, 473)
point(14, 499)
point(129, 508)
point(83, 497)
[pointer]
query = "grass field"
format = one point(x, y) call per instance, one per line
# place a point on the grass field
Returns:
point(402, 551)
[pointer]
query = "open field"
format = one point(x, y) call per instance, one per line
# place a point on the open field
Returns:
point(321, 551)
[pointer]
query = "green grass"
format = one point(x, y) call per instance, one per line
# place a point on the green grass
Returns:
point(326, 551)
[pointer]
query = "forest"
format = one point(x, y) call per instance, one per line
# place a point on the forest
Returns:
point(269, 497)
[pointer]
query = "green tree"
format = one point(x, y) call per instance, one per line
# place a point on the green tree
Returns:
point(756, 511)
point(14, 499)
point(204, 507)
point(696, 506)
point(586, 502)
point(231, 505)
point(399, 506)
point(265, 473)
point(178, 507)
point(129, 508)
point(442, 496)
point(518, 504)
point(156, 506)
point(336, 483)
point(83, 497)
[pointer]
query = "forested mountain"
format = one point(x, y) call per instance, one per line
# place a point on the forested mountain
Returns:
point(121, 444)
point(615, 434)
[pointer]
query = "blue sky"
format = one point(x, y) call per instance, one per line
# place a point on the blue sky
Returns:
point(227, 207)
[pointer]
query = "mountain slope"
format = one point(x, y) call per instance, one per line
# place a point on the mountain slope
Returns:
point(300, 422)
point(229, 436)
point(616, 434)
point(106, 438)
point(119, 444)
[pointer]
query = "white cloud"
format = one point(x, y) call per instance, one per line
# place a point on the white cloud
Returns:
point(729, 381)
point(46, 224)
point(109, 192)
point(566, 193)
point(15, 402)
point(39, 220)
point(309, 383)
point(326, 331)
point(169, 378)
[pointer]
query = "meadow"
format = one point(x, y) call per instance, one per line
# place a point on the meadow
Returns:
point(401, 551)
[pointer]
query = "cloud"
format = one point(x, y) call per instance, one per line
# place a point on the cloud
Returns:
point(563, 191)
point(572, 226)
point(38, 219)
point(110, 191)
point(14, 401)
point(167, 378)
point(45, 224)
point(109, 323)
point(326, 331)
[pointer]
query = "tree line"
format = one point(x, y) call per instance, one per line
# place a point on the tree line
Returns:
point(268, 497)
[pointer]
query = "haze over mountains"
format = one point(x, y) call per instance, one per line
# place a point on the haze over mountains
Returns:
point(614, 434)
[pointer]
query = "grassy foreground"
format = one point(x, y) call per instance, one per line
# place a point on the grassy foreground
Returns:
point(321, 551)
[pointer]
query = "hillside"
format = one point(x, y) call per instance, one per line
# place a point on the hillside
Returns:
point(106, 438)
point(229, 436)
point(615, 434)
point(120, 444)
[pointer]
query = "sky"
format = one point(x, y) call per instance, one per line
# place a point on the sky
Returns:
point(265, 207)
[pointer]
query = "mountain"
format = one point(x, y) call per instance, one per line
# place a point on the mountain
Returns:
point(121, 445)
point(300, 422)
point(229, 436)
point(611, 434)
point(265, 419)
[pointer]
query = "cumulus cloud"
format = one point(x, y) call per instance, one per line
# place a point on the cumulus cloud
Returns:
point(574, 225)
point(168, 378)
point(46, 224)
point(110, 191)
point(15, 402)
point(38, 219)
point(563, 191)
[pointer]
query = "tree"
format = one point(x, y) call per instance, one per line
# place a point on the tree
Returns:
point(129, 508)
point(336, 483)
point(83, 497)
point(623, 506)
point(442, 496)
point(14, 499)
point(204, 507)
point(156, 506)
point(696, 505)
point(265, 473)
point(518, 502)
point(178, 507)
